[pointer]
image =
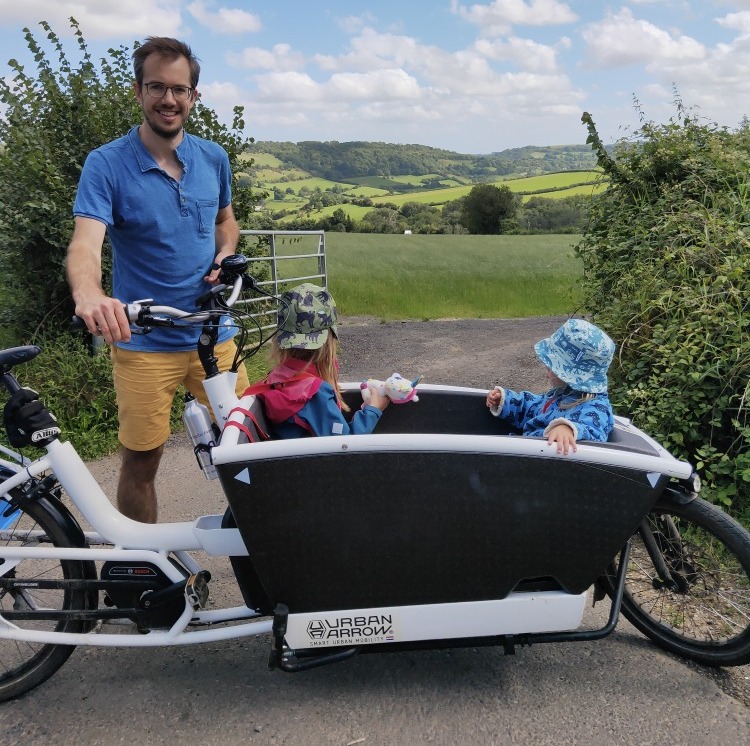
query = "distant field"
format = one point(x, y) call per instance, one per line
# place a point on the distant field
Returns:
point(312, 182)
point(530, 184)
point(355, 212)
point(551, 181)
point(427, 277)
point(587, 190)
point(384, 191)
point(263, 159)
point(427, 196)
point(365, 191)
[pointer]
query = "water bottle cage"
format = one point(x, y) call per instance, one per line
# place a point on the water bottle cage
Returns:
point(202, 448)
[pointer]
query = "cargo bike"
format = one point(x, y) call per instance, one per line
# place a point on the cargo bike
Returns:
point(440, 529)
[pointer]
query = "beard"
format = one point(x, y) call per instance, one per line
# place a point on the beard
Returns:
point(167, 133)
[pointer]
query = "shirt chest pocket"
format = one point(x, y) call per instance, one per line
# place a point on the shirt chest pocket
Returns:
point(207, 211)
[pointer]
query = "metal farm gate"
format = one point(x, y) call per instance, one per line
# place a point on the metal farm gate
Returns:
point(279, 260)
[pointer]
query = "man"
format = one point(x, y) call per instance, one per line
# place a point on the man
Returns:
point(164, 199)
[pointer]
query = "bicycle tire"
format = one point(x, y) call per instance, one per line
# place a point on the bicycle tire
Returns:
point(26, 665)
point(705, 615)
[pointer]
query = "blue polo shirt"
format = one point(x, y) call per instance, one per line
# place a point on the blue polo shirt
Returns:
point(161, 230)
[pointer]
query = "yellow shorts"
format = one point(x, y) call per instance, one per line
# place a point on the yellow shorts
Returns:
point(146, 382)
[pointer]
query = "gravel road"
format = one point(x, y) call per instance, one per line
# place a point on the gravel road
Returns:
point(465, 352)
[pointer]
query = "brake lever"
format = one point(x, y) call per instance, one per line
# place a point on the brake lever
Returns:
point(214, 291)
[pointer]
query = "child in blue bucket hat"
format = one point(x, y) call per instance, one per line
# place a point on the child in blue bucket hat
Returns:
point(577, 407)
point(301, 395)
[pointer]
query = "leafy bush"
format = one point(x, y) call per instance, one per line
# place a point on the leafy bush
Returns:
point(77, 388)
point(666, 257)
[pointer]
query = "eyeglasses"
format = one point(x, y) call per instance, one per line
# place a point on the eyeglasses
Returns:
point(159, 90)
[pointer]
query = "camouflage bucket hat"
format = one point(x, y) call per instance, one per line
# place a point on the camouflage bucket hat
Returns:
point(579, 354)
point(305, 315)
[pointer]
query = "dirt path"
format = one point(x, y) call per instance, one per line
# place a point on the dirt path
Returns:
point(461, 352)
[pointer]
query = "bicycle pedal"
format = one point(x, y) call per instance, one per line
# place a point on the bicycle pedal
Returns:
point(196, 590)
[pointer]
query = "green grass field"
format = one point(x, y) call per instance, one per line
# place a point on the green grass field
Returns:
point(427, 277)
point(396, 277)
point(551, 181)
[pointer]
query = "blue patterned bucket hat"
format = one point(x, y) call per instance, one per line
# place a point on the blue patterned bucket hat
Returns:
point(305, 315)
point(579, 354)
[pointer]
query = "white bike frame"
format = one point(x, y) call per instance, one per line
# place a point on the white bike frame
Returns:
point(118, 538)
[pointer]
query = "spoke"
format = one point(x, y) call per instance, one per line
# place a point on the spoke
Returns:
point(716, 605)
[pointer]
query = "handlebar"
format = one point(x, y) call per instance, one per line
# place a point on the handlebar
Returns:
point(143, 314)
point(233, 276)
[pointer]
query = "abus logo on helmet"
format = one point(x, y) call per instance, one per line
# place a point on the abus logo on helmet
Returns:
point(48, 432)
point(347, 629)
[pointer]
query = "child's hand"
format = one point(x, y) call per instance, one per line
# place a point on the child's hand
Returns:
point(564, 436)
point(494, 397)
point(495, 400)
point(378, 400)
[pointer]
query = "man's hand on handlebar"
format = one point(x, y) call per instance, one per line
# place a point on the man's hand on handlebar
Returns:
point(212, 278)
point(105, 317)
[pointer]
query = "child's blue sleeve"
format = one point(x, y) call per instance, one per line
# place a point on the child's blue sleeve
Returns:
point(324, 417)
point(519, 406)
point(594, 419)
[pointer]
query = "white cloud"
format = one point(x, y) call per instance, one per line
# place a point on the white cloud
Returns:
point(98, 19)
point(224, 20)
point(280, 57)
point(221, 93)
point(379, 85)
point(288, 87)
point(620, 39)
point(737, 21)
point(498, 17)
point(354, 24)
point(389, 80)
point(525, 53)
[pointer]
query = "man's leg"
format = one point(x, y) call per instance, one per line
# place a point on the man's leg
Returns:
point(136, 490)
point(145, 383)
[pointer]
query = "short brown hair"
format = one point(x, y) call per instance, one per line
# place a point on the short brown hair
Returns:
point(164, 46)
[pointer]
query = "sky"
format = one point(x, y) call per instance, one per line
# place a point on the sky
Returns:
point(473, 77)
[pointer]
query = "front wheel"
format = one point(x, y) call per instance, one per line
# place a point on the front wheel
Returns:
point(687, 586)
point(25, 665)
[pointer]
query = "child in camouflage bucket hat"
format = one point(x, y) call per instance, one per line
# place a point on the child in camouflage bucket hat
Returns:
point(577, 407)
point(301, 395)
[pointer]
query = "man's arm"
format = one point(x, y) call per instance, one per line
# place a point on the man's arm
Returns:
point(227, 234)
point(104, 316)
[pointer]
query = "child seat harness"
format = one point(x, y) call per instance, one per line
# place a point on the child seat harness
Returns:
point(283, 394)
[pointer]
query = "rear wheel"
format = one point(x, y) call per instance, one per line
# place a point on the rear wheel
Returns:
point(700, 607)
point(25, 665)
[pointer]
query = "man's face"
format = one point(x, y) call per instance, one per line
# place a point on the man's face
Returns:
point(165, 116)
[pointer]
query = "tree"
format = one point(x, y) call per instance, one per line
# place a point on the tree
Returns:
point(666, 256)
point(564, 215)
point(52, 120)
point(382, 220)
point(486, 207)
